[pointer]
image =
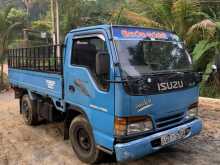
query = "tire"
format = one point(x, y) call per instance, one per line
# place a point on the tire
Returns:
point(29, 111)
point(83, 142)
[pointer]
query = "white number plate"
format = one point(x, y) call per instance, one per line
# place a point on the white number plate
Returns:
point(181, 134)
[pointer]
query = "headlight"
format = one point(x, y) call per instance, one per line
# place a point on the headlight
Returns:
point(132, 125)
point(138, 127)
point(192, 111)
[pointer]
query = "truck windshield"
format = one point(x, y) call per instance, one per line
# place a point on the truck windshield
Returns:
point(143, 57)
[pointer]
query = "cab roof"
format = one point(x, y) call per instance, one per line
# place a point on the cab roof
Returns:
point(107, 26)
point(133, 32)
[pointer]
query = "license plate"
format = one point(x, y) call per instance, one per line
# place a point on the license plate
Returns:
point(169, 138)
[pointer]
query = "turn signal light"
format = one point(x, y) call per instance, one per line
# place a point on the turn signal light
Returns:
point(132, 125)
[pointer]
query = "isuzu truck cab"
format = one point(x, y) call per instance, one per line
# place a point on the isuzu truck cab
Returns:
point(122, 90)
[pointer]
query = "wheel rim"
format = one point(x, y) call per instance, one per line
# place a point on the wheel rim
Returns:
point(25, 110)
point(83, 139)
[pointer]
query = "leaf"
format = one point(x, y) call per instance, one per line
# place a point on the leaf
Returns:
point(160, 11)
point(206, 25)
point(208, 71)
point(217, 25)
point(201, 48)
point(183, 11)
point(137, 19)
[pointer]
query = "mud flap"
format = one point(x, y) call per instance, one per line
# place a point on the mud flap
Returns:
point(20, 105)
point(66, 125)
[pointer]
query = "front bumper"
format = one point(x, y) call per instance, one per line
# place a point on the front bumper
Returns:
point(141, 147)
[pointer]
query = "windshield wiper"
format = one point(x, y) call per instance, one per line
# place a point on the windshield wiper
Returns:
point(175, 74)
point(168, 72)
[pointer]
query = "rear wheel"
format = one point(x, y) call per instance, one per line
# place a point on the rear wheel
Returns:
point(29, 111)
point(82, 141)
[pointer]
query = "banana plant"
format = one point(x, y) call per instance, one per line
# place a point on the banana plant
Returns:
point(173, 15)
point(208, 47)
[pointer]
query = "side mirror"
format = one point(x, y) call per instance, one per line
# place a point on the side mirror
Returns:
point(102, 63)
point(214, 69)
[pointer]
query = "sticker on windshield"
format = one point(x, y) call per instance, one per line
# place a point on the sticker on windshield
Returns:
point(141, 33)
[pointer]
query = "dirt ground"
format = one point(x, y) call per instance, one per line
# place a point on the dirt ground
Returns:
point(44, 145)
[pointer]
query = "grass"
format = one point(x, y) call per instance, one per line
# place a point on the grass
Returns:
point(210, 90)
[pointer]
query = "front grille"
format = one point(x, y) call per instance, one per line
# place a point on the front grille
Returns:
point(166, 121)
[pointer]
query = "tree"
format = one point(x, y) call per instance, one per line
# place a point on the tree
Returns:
point(209, 31)
point(36, 8)
point(16, 15)
point(10, 18)
point(75, 13)
point(206, 51)
point(200, 30)
point(173, 15)
point(185, 17)
point(6, 3)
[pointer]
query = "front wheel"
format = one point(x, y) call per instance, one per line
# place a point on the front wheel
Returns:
point(82, 141)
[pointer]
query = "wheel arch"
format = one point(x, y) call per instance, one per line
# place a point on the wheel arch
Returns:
point(72, 111)
point(20, 92)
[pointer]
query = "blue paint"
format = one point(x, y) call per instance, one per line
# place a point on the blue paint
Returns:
point(161, 103)
point(36, 81)
point(101, 107)
point(103, 133)
point(141, 147)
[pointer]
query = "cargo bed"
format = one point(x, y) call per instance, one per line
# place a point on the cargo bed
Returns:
point(37, 69)
point(47, 84)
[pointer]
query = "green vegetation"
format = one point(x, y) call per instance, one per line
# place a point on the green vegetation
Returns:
point(198, 24)
point(10, 18)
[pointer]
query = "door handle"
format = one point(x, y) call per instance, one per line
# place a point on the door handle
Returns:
point(72, 88)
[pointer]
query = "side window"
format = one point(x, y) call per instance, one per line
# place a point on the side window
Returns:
point(85, 52)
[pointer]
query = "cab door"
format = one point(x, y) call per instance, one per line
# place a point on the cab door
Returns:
point(87, 89)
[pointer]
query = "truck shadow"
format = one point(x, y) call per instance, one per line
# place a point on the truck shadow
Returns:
point(167, 155)
point(160, 157)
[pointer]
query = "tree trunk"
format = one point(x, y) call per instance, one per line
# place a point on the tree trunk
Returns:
point(2, 74)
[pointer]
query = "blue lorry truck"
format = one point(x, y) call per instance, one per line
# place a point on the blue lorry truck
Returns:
point(122, 90)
